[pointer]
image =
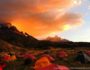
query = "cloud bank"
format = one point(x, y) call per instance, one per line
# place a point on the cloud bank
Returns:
point(40, 17)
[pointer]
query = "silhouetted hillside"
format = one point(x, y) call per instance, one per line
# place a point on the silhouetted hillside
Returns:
point(10, 34)
point(45, 44)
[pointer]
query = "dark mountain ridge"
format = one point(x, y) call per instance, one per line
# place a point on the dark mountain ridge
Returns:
point(12, 35)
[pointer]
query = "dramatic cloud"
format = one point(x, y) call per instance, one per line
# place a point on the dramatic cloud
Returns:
point(40, 17)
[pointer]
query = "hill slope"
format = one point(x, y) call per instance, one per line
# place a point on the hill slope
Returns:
point(7, 47)
point(10, 34)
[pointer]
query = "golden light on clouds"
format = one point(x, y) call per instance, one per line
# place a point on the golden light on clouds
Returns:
point(66, 27)
point(40, 18)
point(77, 2)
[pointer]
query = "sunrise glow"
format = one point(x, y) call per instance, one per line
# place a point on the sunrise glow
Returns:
point(42, 18)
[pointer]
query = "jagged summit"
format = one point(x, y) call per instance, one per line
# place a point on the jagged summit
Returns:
point(5, 24)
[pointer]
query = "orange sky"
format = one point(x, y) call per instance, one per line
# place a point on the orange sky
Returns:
point(41, 18)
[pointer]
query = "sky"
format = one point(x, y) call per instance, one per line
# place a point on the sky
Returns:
point(82, 32)
point(68, 19)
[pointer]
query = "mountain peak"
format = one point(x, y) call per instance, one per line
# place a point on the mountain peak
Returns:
point(56, 39)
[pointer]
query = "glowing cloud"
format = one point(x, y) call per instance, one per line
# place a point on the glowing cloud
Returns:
point(77, 2)
point(40, 17)
point(66, 27)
